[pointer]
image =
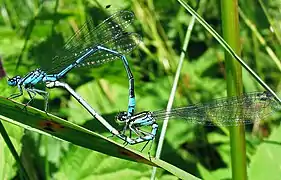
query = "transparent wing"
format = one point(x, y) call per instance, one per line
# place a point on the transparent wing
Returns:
point(231, 111)
point(88, 37)
point(122, 44)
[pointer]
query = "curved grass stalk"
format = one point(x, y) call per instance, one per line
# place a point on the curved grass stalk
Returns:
point(172, 94)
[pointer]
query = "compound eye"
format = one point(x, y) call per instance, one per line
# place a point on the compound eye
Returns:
point(122, 116)
point(11, 82)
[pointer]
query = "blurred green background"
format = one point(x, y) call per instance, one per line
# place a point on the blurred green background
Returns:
point(31, 30)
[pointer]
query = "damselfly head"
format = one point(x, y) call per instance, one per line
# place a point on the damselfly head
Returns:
point(268, 97)
point(14, 81)
point(121, 117)
point(264, 96)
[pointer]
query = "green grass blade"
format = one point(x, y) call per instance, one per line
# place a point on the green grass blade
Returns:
point(176, 171)
point(36, 120)
point(47, 124)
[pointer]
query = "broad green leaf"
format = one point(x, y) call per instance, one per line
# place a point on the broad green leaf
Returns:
point(266, 163)
point(205, 173)
point(84, 164)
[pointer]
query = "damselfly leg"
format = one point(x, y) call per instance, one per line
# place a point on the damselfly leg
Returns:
point(80, 50)
point(228, 111)
point(32, 92)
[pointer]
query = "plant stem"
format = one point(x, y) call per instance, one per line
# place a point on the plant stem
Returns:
point(172, 94)
point(230, 26)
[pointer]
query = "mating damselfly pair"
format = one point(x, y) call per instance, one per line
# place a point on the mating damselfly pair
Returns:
point(92, 46)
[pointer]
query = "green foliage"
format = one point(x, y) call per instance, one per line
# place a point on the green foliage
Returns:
point(7, 162)
point(92, 165)
point(46, 124)
point(31, 31)
point(268, 152)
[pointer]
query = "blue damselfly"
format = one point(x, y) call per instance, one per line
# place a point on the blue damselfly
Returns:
point(89, 46)
point(229, 111)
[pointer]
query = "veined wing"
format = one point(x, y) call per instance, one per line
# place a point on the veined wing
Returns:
point(88, 37)
point(123, 44)
point(230, 111)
